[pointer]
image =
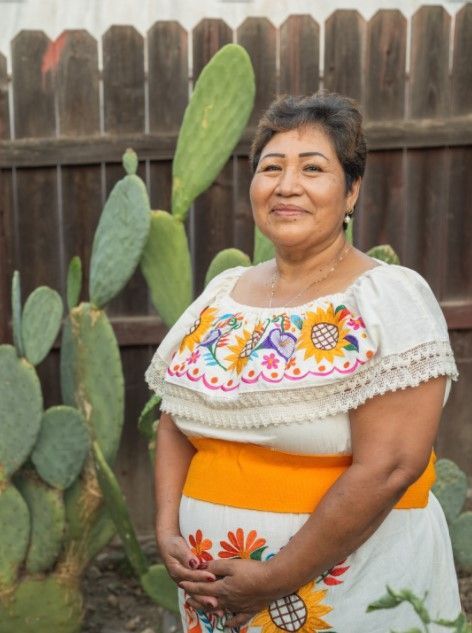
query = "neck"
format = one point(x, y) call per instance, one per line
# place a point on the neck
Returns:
point(294, 265)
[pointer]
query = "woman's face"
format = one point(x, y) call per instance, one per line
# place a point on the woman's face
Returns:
point(298, 193)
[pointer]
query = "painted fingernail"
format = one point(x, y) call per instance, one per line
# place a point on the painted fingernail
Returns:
point(203, 565)
point(210, 579)
point(192, 563)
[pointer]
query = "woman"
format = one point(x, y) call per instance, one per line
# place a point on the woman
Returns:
point(301, 400)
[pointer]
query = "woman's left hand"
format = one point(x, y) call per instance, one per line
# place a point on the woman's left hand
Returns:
point(243, 587)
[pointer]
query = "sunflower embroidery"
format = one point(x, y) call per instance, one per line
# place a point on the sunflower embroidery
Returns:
point(240, 351)
point(198, 329)
point(300, 612)
point(200, 546)
point(239, 547)
point(324, 335)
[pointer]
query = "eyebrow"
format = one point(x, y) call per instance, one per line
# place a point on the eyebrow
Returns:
point(302, 155)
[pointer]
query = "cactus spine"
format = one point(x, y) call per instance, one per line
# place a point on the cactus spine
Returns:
point(52, 519)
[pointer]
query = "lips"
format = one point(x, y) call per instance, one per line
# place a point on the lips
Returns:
point(288, 210)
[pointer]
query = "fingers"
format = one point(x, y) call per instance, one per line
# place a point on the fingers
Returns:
point(181, 573)
point(238, 619)
point(200, 588)
point(221, 567)
point(207, 603)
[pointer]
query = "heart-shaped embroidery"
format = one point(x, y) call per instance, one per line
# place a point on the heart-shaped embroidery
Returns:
point(282, 342)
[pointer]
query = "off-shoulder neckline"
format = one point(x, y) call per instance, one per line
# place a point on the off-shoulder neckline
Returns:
point(228, 299)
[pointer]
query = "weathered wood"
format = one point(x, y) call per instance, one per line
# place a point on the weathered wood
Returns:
point(123, 79)
point(382, 212)
point(458, 277)
point(381, 135)
point(213, 210)
point(243, 218)
point(37, 224)
point(427, 171)
point(167, 44)
point(77, 85)
point(4, 108)
point(6, 243)
point(344, 53)
point(299, 55)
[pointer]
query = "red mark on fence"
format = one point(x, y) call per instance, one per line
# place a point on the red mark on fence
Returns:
point(53, 54)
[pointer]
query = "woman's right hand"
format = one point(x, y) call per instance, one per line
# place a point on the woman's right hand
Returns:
point(182, 564)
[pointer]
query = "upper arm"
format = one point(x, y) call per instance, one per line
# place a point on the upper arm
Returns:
point(397, 429)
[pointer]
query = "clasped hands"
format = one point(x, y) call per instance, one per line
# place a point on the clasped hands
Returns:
point(240, 586)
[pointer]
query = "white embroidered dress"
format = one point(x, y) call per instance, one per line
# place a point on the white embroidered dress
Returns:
point(286, 378)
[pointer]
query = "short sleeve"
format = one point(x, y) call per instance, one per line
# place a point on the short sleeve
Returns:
point(406, 324)
point(155, 373)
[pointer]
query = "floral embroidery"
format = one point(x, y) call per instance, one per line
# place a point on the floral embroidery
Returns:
point(239, 547)
point(200, 546)
point(300, 612)
point(231, 349)
point(331, 577)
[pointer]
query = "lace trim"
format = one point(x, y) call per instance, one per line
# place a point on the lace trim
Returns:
point(309, 402)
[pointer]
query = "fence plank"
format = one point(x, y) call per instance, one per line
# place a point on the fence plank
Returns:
point(6, 239)
point(167, 44)
point(458, 282)
point(34, 63)
point(78, 110)
point(383, 215)
point(299, 55)
point(427, 170)
point(344, 53)
point(123, 79)
point(213, 210)
point(123, 100)
point(4, 108)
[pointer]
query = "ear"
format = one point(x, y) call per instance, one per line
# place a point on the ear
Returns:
point(353, 194)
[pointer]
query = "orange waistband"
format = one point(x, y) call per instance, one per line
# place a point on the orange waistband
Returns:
point(259, 478)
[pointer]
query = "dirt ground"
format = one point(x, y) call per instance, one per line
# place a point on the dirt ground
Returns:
point(115, 602)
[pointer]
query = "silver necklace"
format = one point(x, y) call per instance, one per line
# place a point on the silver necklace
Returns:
point(276, 276)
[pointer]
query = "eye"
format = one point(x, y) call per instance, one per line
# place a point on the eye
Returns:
point(312, 168)
point(270, 167)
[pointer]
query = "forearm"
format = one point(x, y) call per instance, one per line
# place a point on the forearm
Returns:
point(173, 455)
point(347, 516)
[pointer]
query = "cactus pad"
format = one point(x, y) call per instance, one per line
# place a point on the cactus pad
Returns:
point(263, 247)
point(148, 417)
point(213, 122)
point(42, 605)
point(91, 368)
point(167, 267)
point(21, 406)
point(16, 313)
point(130, 162)
point(41, 322)
point(116, 504)
point(160, 587)
point(74, 282)
point(450, 488)
point(228, 258)
point(14, 534)
point(62, 446)
point(385, 253)
point(119, 240)
point(47, 513)
point(461, 537)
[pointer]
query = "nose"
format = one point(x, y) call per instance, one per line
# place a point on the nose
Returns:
point(288, 183)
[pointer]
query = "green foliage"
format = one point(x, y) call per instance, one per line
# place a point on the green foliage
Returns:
point(166, 266)
point(41, 322)
point(228, 258)
point(62, 446)
point(14, 534)
point(46, 509)
point(42, 605)
point(130, 162)
point(74, 282)
point(119, 239)
point(263, 247)
point(215, 117)
point(160, 587)
point(385, 253)
point(148, 417)
point(461, 538)
point(91, 371)
point(394, 598)
point(16, 313)
point(21, 404)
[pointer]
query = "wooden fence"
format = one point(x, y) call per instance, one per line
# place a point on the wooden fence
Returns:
point(64, 124)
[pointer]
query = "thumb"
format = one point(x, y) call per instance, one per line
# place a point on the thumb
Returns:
point(185, 556)
point(221, 567)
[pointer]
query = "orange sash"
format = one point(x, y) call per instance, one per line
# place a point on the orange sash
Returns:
point(259, 478)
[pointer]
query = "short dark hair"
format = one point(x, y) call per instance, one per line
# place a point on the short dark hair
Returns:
point(337, 115)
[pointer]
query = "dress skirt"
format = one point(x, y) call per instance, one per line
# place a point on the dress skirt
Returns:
point(411, 549)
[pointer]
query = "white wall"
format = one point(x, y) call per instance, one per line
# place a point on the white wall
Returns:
point(53, 16)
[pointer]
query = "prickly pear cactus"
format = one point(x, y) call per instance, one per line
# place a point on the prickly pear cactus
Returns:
point(228, 258)
point(451, 491)
point(385, 253)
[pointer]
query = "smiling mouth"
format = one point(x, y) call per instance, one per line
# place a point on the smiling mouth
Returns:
point(288, 211)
